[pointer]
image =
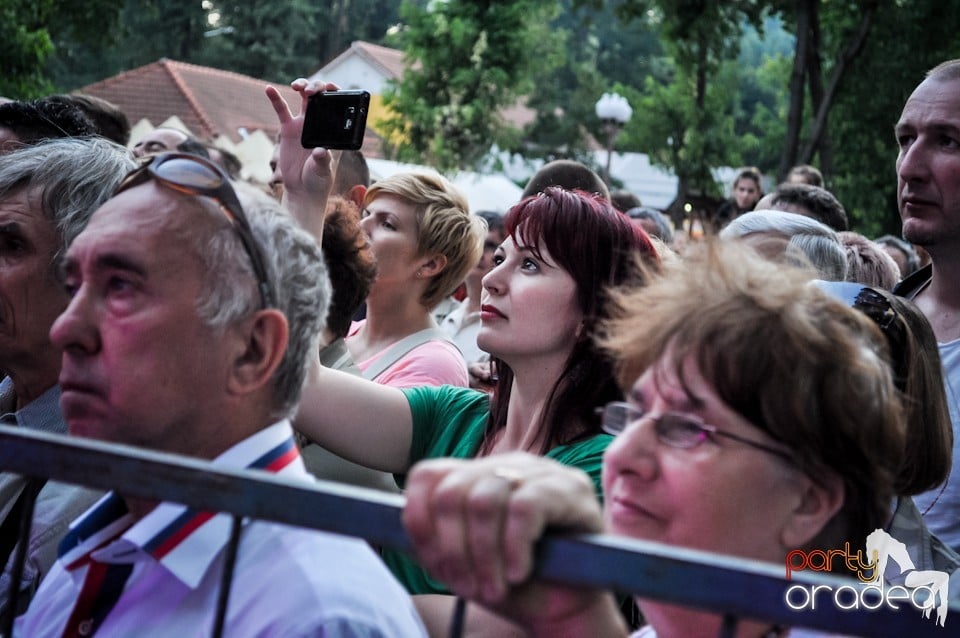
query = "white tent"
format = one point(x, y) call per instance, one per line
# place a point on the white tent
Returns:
point(484, 192)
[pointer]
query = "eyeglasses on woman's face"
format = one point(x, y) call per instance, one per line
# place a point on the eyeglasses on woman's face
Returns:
point(676, 430)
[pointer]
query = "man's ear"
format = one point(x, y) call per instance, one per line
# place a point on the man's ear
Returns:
point(264, 342)
point(819, 501)
point(433, 266)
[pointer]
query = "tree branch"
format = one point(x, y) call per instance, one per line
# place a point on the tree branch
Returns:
point(849, 54)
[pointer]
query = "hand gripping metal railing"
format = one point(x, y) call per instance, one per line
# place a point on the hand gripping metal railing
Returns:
point(724, 585)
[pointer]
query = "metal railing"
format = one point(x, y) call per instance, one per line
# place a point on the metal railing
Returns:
point(729, 586)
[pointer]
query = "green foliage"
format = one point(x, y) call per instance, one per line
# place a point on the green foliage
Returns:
point(688, 119)
point(712, 76)
point(706, 32)
point(681, 137)
point(472, 59)
point(276, 41)
point(132, 34)
point(907, 39)
point(762, 110)
point(24, 46)
point(595, 49)
point(273, 41)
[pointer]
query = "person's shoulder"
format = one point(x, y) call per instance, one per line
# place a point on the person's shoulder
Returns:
point(455, 396)
point(435, 362)
point(336, 576)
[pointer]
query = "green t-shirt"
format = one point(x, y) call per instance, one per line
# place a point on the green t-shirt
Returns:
point(449, 421)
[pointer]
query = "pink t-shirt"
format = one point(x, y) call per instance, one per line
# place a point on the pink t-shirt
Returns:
point(437, 362)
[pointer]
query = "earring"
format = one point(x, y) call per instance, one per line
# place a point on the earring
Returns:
point(419, 274)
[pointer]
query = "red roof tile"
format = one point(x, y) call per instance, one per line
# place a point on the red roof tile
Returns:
point(210, 102)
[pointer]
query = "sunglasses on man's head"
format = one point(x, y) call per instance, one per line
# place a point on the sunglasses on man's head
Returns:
point(195, 175)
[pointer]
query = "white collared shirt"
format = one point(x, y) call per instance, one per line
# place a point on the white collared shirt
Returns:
point(288, 581)
point(463, 328)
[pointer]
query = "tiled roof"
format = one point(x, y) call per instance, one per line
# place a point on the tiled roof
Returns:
point(388, 61)
point(210, 102)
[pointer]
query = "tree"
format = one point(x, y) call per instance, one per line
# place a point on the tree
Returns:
point(697, 105)
point(593, 50)
point(24, 46)
point(274, 41)
point(127, 35)
point(907, 40)
point(687, 138)
point(808, 70)
point(467, 61)
point(285, 40)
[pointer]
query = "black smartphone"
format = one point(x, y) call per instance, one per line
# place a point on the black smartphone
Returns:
point(335, 119)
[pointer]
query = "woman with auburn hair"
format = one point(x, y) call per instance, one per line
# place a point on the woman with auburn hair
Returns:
point(541, 305)
point(761, 418)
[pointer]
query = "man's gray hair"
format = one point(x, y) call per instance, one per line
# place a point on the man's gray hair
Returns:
point(664, 232)
point(74, 176)
point(297, 273)
point(809, 242)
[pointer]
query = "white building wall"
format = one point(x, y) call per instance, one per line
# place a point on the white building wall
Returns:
point(354, 73)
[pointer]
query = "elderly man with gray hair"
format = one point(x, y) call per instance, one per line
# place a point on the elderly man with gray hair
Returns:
point(48, 191)
point(191, 326)
point(791, 238)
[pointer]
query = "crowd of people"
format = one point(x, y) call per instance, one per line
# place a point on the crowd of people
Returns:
point(783, 384)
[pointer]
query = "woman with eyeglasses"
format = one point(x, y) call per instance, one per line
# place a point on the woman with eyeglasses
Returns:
point(761, 417)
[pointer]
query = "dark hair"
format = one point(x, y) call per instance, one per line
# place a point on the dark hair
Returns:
point(195, 146)
point(808, 174)
point(109, 120)
point(44, 119)
point(928, 454)
point(600, 248)
point(350, 263)
point(351, 170)
point(918, 375)
point(624, 200)
point(821, 203)
point(494, 220)
point(225, 159)
point(566, 174)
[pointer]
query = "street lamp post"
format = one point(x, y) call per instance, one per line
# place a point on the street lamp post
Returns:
point(614, 111)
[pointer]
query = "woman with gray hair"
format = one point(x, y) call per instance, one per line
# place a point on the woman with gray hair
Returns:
point(47, 194)
point(792, 239)
point(653, 222)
